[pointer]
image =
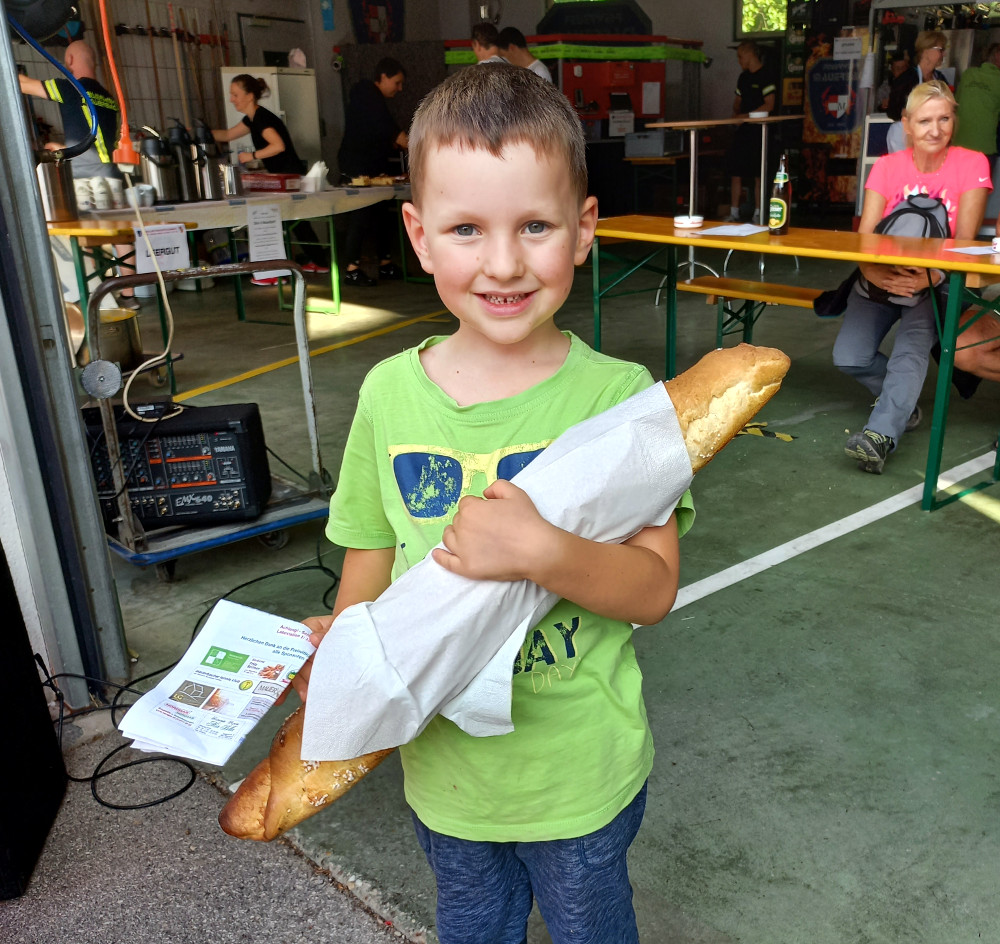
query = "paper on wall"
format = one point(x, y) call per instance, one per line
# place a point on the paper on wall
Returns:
point(239, 663)
point(436, 642)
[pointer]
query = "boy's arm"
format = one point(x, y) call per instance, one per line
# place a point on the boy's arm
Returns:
point(366, 574)
point(504, 538)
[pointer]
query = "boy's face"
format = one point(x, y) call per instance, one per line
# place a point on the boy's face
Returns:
point(501, 236)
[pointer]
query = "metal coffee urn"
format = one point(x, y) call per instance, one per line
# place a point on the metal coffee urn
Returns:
point(182, 148)
point(209, 161)
point(158, 167)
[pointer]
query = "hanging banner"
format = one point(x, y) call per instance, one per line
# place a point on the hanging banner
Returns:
point(377, 21)
point(326, 9)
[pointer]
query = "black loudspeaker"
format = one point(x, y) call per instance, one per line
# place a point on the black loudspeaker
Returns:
point(829, 16)
point(34, 781)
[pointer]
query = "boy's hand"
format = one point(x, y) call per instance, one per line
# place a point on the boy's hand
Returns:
point(494, 537)
point(320, 626)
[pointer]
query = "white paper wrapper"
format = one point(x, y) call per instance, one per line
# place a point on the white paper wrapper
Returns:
point(435, 642)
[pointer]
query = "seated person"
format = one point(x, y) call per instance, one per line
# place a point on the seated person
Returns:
point(960, 178)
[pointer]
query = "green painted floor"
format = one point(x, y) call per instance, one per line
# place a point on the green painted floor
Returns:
point(826, 717)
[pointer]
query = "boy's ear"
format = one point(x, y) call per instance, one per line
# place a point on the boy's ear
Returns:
point(418, 236)
point(585, 236)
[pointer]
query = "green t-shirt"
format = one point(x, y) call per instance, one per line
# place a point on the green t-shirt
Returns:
point(978, 96)
point(581, 746)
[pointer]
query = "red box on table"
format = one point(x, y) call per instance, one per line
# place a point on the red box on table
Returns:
point(257, 181)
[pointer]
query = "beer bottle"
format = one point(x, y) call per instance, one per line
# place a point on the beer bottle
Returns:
point(781, 200)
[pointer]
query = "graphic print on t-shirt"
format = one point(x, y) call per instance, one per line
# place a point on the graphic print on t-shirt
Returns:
point(431, 479)
point(549, 653)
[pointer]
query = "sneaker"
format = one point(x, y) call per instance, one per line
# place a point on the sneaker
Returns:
point(389, 270)
point(734, 215)
point(265, 282)
point(755, 219)
point(357, 277)
point(870, 449)
point(314, 268)
point(915, 417)
point(128, 302)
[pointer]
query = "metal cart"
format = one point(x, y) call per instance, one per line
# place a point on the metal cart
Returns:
point(289, 503)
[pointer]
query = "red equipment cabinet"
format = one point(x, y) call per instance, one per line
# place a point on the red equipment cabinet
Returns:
point(589, 86)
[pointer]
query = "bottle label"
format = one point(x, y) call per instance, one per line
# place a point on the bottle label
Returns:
point(777, 215)
point(781, 178)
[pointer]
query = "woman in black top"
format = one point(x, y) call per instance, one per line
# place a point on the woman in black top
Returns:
point(272, 145)
point(271, 142)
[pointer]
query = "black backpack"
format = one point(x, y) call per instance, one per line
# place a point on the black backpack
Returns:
point(917, 215)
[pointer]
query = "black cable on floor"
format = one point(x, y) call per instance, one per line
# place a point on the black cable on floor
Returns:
point(120, 690)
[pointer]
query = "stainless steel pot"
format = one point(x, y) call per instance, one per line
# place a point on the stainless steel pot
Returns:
point(55, 182)
point(210, 178)
point(120, 340)
point(232, 180)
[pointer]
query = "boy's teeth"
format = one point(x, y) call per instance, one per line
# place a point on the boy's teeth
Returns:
point(503, 299)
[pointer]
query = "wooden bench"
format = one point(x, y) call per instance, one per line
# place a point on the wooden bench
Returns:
point(755, 297)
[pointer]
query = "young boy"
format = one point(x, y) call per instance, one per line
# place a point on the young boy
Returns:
point(500, 216)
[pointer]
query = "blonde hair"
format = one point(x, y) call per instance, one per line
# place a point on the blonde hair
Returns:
point(928, 39)
point(490, 106)
point(924, 92)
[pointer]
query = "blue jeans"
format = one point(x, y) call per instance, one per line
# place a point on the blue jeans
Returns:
point(486, 889)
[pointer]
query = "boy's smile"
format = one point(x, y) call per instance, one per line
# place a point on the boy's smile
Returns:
point(501, 236)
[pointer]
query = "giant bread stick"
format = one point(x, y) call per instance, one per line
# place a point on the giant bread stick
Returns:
point(713, 400)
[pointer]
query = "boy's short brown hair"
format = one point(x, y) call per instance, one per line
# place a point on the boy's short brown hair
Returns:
point(494, 104)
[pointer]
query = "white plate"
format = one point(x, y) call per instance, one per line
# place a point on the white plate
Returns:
point(689, 222)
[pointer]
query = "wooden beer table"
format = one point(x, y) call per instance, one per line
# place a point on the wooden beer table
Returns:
point(962, 270)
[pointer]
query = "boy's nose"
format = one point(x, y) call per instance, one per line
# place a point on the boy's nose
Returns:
point(504, 259)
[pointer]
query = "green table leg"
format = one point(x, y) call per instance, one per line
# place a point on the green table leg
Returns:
point(942, 394)
point(334, 268)
point(241, 311)
point(671, 310)
point(193, 250)
point(80, 267)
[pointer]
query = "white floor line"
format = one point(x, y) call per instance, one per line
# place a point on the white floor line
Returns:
point(777, 555)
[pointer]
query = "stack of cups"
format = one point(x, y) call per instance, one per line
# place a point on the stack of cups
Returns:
point(84, 195)
point(99, 193)
point(117, 187)
point(102, 193)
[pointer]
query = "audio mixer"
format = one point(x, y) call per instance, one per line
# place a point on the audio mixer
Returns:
point(206, 465)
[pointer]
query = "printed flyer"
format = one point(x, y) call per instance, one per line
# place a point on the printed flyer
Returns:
point(237, 666)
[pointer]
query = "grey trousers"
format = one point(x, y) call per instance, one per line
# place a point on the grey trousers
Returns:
point(895, 380)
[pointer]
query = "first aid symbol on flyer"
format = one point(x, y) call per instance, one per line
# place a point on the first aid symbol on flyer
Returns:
point(224, 659)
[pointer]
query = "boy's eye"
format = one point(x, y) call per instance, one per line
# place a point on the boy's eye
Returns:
point(536, 228)
point(465, 229)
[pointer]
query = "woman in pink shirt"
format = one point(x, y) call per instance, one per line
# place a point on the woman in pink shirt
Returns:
point(960, 179)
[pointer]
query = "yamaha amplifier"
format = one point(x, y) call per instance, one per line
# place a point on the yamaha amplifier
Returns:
point(207, 465)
